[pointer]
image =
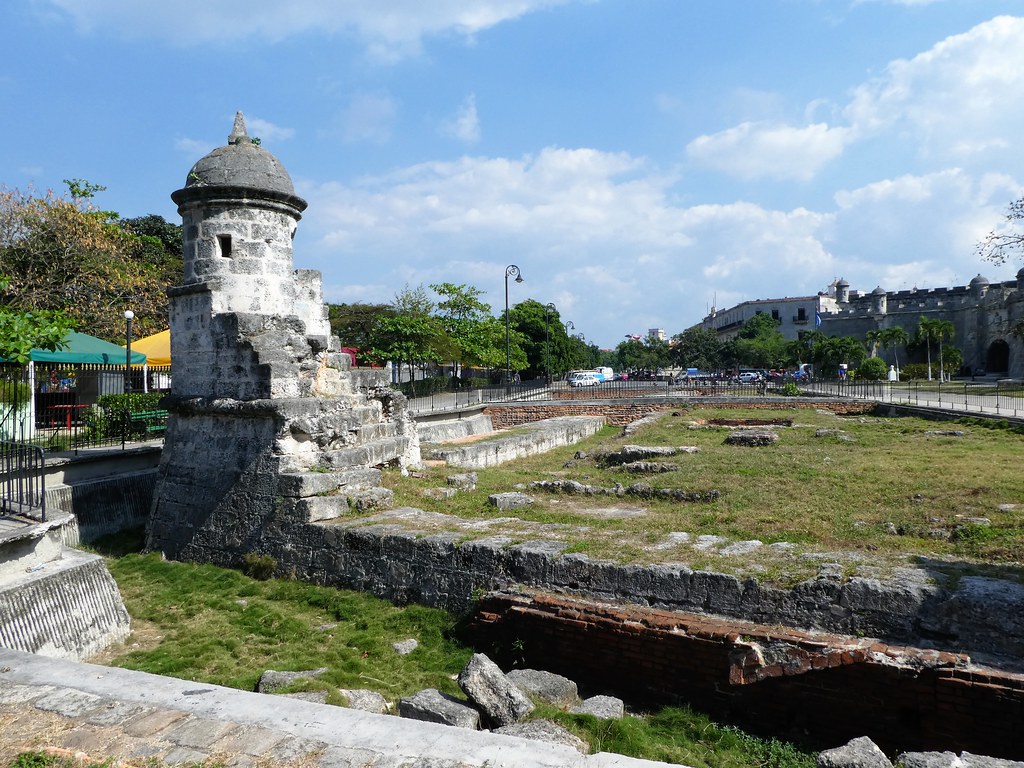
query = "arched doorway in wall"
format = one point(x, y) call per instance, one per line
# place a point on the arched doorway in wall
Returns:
point(997, 360)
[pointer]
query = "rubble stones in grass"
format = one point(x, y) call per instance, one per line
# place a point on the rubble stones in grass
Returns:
point(501, 702)
point(944, 433)
point(465, 481)
point(752, 438)
point(547, 687)
point(650, 467)
point(272, 681)
point(433, 706)
point(364, 700)
point(547, 731)
point(405, 647)
point(858, 753)
point(510, 500)
point(633, 453)
point(440, 494)
point(601, 707)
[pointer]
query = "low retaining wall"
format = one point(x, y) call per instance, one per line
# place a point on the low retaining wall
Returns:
point(538, 437)
point(68, 609)
point(621, 412)
point(106, 505)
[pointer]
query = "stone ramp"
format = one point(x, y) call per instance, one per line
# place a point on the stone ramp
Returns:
point(111, 712)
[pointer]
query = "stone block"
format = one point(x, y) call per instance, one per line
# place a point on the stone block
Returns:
point(494, 694)
point(547, 731)
point(510, 500)
point(272, 681)
point(545, 686)
point(601, 707)
point(435, 707)
point(858, 753)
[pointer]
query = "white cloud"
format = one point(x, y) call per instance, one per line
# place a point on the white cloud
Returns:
point(964, 96)
point(961, 99)
point(757, 150)
point(465, 126)
point(390, 30)
point(266, 130)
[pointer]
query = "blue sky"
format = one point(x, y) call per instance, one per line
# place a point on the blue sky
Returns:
point(639, 161)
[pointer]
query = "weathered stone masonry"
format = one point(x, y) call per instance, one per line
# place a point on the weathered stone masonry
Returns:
point(773, 680)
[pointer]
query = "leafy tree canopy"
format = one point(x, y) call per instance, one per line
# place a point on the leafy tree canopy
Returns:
point(64, 255)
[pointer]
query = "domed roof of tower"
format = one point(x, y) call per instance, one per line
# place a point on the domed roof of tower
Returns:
point(978, 280)
point(879, 291)
point(242, 163)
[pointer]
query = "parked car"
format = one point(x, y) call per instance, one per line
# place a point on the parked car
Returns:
point(583, 380)
point(748, 377)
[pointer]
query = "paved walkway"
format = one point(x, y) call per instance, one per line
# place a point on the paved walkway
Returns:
point(109, 712)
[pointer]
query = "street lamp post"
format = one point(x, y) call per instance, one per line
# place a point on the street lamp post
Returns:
point(510, 271)
point(571, 326)
point(128, 317)
point(547, 340)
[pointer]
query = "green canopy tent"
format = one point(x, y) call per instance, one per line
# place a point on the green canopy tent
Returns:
point(83, 348)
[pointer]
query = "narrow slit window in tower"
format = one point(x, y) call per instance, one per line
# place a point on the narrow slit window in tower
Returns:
point(224, 241)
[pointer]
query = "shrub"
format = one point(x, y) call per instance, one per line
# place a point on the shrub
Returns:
point(259, 567)
point(914, 371)
point(789, 389)
point(872, 369)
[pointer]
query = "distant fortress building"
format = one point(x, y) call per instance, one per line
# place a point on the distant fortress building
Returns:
point(984, 316)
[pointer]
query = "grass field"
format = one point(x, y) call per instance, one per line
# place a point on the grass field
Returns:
point(880, 491)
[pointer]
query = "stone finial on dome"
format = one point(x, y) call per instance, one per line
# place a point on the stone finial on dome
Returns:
point(238, 131)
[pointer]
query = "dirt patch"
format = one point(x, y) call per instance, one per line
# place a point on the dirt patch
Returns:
point(145, 636)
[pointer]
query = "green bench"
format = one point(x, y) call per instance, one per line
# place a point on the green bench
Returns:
point(151, 421)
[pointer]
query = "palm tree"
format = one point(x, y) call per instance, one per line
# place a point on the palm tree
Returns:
point(893, 338)
point(873, 339)
point(934, 329)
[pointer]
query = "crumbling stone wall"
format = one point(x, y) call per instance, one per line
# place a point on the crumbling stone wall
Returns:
point(775, 681)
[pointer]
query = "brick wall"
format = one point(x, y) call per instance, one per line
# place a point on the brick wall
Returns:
point(820, 689)
point(622, 413)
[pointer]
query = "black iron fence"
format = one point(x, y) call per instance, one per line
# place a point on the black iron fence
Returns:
point(69, 407)
point(22, 480)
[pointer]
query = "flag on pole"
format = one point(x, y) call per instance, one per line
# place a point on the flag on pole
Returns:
point(817, 319)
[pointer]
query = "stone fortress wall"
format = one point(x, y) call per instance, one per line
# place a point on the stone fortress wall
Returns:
point(984, 316)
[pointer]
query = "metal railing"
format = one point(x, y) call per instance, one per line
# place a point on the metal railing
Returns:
point(22, 480)
point(1002, 398)
point(462, 397)
point(69, 407)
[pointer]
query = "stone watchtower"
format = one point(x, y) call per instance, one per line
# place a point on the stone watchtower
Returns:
point(269, 427)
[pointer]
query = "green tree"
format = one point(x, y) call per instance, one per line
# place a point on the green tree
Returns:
point(65, 255)
point(760, 343)
point(21, 332)
point(872, 369)
point(650, 354)
point(697, 348)
point(469, 325)
point(893, 338)
point(933, 330)
point(832, 351)
point(354, 324)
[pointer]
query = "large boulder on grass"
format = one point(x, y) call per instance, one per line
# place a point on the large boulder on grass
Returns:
point(858, 753)
point(501, 702)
